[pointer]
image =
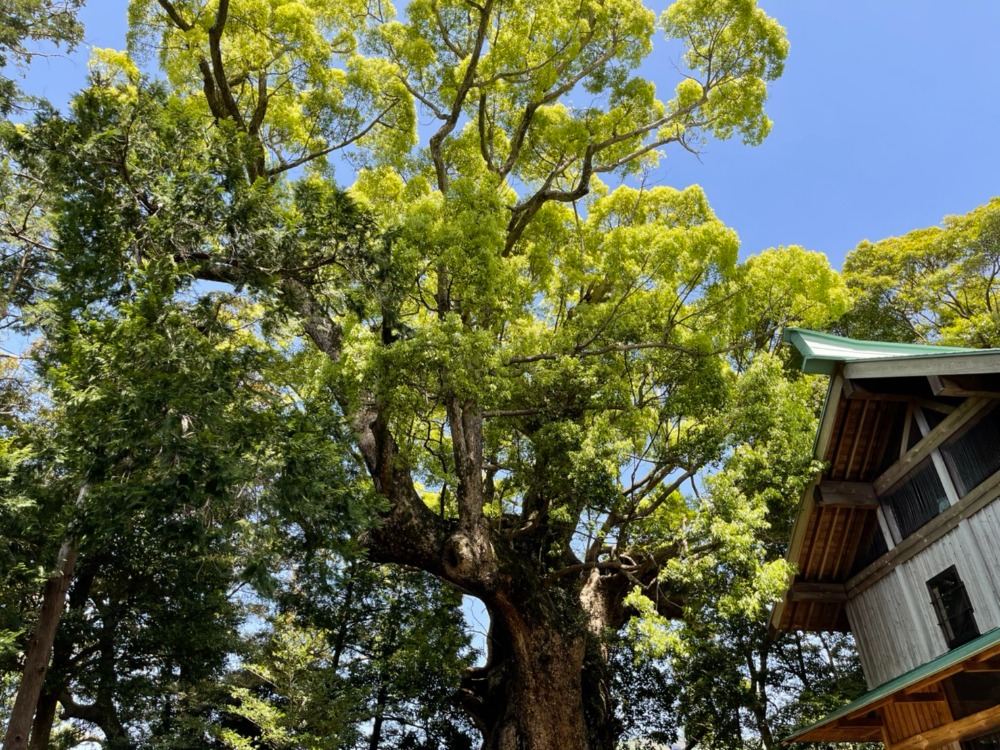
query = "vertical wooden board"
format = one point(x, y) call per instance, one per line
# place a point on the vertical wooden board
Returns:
point(859, 624)
point(904, 720)
point(821, 542)
point(896, 723)
point(941, 712)
point(907, 720)
point(891, 721)
point(865, 525)
point(980, 562)
point(831, 540)
point(841, 433)
point(874, 436)
point(846, 435)
point(835, 431)
point(984, 529)
point(879, 619)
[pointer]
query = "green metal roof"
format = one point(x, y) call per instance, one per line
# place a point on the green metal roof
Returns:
point(821, 352)
point(943, 662)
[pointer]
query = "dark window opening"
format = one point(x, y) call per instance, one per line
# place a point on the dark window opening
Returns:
point(894, 438)
point(953, 608)
point(971, 692)
point(973, 454)
point(872, 547)
point(989, 741)
point(917, 499)
point(915, 435)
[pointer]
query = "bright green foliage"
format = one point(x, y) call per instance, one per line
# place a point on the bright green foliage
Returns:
point(289, 693)
point(288, 76)
point(785, 286)
point(745, 513)
point(728, 36)
point(500, 78)
point(22, 543)
point(938, 284)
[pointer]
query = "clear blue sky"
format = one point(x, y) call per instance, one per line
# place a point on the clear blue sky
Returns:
point(887, 118)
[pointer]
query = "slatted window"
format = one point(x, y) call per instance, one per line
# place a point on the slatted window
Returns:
point(873, 546)
point(917, 499)
point(953, 608)
point(973, 454)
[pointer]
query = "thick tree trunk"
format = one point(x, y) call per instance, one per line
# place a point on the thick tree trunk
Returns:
point(544, 688)
point(36, 660)
point(542, 694)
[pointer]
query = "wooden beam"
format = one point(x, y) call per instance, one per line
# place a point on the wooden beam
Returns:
point(846, 495)
point(862, 395)
point(938, 406)
point(834, 394)
point(967, 386)
point(831, 593)
point(856, 391)
point(987, 654)
point(869, 722)
point(925, 697)
point(853, 390)
point(933, 680)
point(971, 363)
point(962, 729)
point(842, 734)
point(985, 665)
point(923, 449)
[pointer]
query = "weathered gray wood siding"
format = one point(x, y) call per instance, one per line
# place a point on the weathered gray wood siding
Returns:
point(893, 620)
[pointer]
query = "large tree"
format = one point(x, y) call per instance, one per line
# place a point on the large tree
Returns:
point(530, 369)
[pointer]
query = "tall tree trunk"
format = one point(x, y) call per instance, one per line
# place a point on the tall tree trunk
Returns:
point(45, 716)
point(36, 660)
point(375, 738)
point(545, 688)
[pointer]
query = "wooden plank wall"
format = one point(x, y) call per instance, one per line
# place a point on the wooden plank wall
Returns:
point(882, 622)
point(893, 620)
point(984, 531)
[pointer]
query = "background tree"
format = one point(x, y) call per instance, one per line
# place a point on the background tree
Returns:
point(25, 27)
point(355, 656)
point(938, 284)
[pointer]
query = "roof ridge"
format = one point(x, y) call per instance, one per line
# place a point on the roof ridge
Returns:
point(821, 352)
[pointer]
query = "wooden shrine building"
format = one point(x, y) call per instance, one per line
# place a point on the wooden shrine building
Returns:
point(898, 540)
